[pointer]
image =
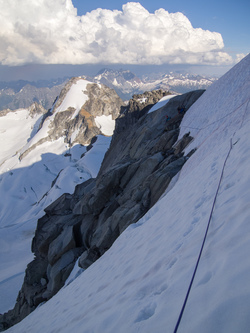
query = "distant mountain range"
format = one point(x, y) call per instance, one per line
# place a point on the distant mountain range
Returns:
point(126, 83)
point(21, 94)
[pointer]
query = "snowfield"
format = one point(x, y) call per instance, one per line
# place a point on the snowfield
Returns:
point(106, 124)
point(140, 284)
point(15, 129)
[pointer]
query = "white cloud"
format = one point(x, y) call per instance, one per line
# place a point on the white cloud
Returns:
point(239, 57)
point(50, 32)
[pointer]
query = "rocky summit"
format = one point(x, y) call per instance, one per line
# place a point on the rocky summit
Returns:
point(143, 157)
point(73, 113)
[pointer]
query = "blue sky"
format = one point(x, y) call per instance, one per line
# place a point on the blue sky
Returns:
point(70, 37)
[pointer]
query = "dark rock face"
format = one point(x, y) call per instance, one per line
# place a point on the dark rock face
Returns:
point(137, 107)
point(136, 134)
point(138, 167)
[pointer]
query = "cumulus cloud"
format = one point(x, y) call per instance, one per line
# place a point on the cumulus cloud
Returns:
point(50, 32)
point(240, 56)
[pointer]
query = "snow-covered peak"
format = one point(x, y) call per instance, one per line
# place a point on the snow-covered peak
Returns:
point(127, 83)
point(75, 97)
point(72, 117)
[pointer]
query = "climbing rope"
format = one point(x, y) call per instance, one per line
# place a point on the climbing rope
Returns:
point(204, 240)
point(213, 205)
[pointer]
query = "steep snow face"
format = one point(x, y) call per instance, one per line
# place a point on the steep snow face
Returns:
point(140, 284)
point(75, 98)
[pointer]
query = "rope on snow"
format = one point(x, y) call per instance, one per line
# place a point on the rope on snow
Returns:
point(204, 240)
point(210, 217)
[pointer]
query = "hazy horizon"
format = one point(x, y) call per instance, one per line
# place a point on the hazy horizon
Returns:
point(36, 72)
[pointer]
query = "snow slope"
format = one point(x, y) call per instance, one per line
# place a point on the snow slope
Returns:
point(140, 284)
point(75, 97)
point(162, 102)
point(30, 184)
point(15, 129)
point(106, 124)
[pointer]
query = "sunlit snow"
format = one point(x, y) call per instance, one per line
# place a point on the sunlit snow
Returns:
point(162, 102)
point(15, 129)
point(75, 98)
point(106, 124)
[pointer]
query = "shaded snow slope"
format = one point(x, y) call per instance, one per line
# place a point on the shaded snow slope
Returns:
point(26, 191)
point(139, 285)
point(31, 179)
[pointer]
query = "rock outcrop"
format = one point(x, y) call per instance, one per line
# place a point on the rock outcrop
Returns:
point(143, 158)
